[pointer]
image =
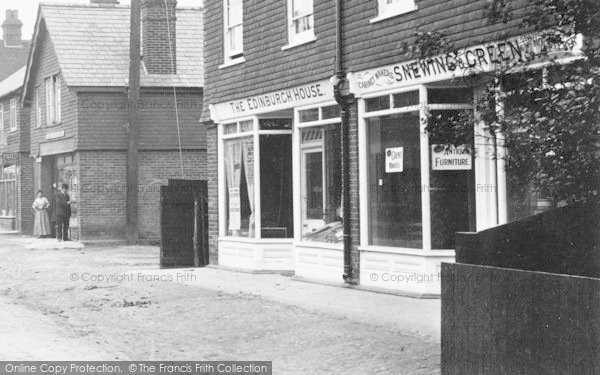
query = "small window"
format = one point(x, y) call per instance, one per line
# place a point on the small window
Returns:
point(389, 8)
point(406, 99)
point(234, 30)
point(246, 126)
point(454, 95)
point(275, 124)
point(38, 107)
point(13, 115)
point(300, 21)
point(53, 100)
point(330, 112)
point(309, 115)
point(229, 129)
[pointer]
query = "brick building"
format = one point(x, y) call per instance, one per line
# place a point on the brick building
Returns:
point(76, 90)
point(274, 136)
point(16, 167)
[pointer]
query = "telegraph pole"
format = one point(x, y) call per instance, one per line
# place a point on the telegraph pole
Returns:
point(131, 214)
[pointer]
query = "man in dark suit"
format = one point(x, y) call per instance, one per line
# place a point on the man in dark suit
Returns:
point(62, 212)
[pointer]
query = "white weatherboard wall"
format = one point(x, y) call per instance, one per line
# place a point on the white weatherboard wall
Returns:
point(250, 254)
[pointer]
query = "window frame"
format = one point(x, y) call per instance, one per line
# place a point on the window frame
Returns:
point(38, 107)
point(13, 116)
point(385, 11)
point(255, 134)
point(296, 39)
point(53, 100)
point(422, 108)
point(232, 57)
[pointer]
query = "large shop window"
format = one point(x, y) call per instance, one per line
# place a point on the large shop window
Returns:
point(234, 29)
point(399, 186)
point(320, 190)
point(241, 185)
point(8, 191)
point(394, 181)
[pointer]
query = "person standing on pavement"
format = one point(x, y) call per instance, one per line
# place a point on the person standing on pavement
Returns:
point(62, 212)
point(41, 223)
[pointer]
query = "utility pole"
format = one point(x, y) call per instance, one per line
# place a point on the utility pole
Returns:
point(131, 214)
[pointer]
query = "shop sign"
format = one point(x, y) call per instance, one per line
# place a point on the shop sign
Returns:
point(464, 62)
point(394, 160)
point(451, 158)
point(274, 101)
point(10, 158)
point(234, 209)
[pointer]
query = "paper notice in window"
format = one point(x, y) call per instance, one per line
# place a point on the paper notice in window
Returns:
point(451, 158)
point(394, 160)
point(234, 209)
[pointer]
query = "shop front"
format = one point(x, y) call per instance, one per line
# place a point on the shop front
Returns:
point(8, 193)
point(279, 181)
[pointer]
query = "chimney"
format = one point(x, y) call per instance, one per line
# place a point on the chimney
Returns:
point(159, 36)
point(105, 2)
point(12, 29)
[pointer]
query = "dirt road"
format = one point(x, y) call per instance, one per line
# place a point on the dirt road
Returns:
point(92, 304)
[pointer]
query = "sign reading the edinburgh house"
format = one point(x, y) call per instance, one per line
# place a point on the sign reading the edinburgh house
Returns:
point(464, 62)
point(288, 98)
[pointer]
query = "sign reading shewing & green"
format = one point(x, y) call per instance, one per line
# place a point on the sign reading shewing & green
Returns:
point(468, 61)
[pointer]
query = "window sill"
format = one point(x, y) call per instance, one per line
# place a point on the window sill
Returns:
point(232, 63)
point(12, 131)
point(389, 15)
point(408, 251)
point(298, 43)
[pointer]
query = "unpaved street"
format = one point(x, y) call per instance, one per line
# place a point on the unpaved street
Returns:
point(53, 306)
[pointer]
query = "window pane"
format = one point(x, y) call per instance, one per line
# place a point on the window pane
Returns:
point(308, 115)
point(276, 186)
point(275, 124)
point(229, 129)
point(406, 99)
point(330, 112)
point(448, 96)
point(378, 104)
point(394, 181)
point(452, 190)
point(303, 24)
point(302, 7)
point(239, 189)
point(321, 184)
point(246, 126)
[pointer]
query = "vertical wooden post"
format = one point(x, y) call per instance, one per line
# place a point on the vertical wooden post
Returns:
point(134, 124)
point(196, 233)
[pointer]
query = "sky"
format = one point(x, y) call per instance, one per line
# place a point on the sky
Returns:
point(28, 10)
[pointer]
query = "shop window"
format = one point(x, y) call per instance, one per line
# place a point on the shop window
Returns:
point(309, 115)
point(246, 126)
point(330, 112)
point(234, 30)
point(378, 104)
point(239, 186)
point(390, 8)
point(53, 100)
point(230, 129)
point(300, 21)
point(394, 181)
point(275, 124)
point(452, 184)
point(405, 99)
point(8, 191)
point(13, 115)
point(320, 190)
point(276, 186)
point(455, 95)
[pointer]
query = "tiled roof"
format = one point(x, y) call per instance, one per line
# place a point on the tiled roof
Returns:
point(12, 58)
point(92, 46)
point(12, 82)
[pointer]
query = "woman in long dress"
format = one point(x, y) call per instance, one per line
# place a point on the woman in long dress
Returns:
point(41, 223)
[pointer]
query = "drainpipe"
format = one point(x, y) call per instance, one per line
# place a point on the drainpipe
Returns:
point(345, 99)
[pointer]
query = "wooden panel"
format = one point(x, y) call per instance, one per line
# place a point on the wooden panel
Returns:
point(503, 321)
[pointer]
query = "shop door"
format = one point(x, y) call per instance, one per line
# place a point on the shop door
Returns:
point(313, 189)
point(65, 172)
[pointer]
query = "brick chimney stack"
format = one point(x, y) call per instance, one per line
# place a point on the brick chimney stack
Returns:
point(12, 29)
point(158, 27)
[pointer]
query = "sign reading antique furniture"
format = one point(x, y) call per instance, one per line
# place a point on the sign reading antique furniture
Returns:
point(451, 158)
point(394, 160)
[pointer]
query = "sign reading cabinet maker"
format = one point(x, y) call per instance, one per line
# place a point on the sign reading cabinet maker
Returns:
point(451, 158)
point(522, 50)
point(308, 94)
